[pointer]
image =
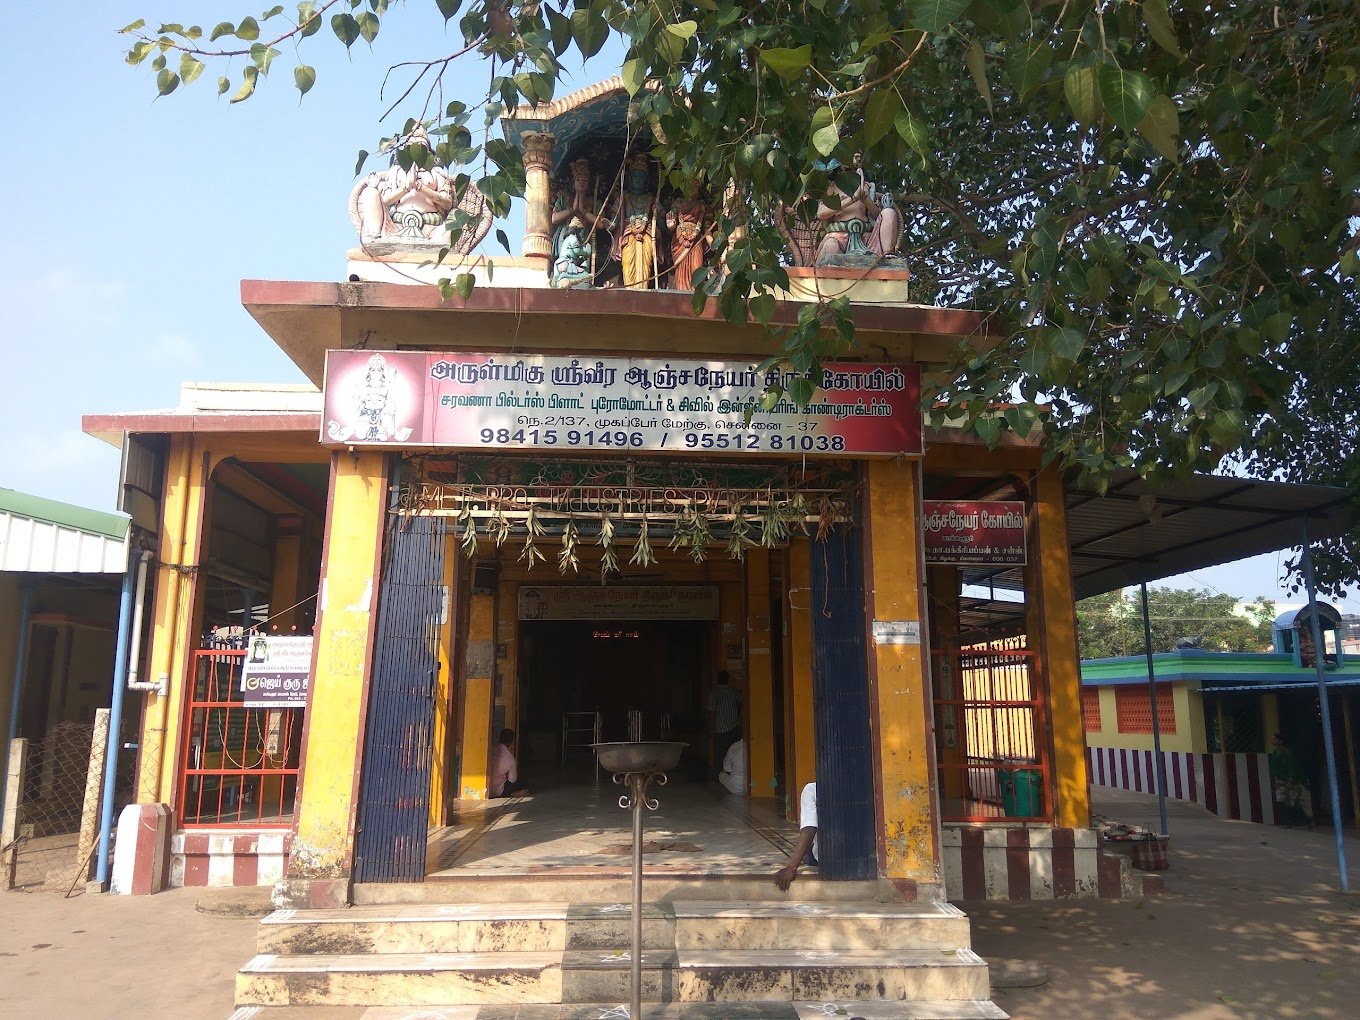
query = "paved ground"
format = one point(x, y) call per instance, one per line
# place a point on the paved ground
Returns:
point(1251, 927)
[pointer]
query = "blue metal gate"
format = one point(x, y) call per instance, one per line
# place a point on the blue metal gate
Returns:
point(840, 683)
point(393, 820)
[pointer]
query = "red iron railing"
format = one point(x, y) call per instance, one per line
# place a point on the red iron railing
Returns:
point(991, 736)
point(239, 766)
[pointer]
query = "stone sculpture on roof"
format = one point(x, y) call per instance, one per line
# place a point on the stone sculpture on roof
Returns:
point(406, 210)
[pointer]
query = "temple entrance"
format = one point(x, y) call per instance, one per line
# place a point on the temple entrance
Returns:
point(640, 679)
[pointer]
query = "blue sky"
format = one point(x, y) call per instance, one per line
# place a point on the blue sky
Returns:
point(134, 220)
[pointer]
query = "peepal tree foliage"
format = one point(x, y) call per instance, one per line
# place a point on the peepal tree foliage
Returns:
point(1155, 199)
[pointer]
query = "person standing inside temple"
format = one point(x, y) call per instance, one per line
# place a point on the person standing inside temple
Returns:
point(724, 713)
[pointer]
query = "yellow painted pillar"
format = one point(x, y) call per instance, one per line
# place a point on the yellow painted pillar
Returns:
point(323, 841)
point(173, 636)
point(802, 764)
point(951, 735)
point(285, 588)
point(1053, 618)
point(900, 699)
point(759, 707)
point(479, 697)
point(731, 610)
point(441, 756)
point(1270, 717)
point(538, 228)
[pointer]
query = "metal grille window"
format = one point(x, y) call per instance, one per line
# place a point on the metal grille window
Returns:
point(240, 765)
point(1090, 710)
point(994, 764)
point(1134, 713)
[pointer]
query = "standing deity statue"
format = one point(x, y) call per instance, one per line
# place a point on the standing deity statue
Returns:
point(574, 223)
point(864, 229)
point(634, 227)
point(689, 222)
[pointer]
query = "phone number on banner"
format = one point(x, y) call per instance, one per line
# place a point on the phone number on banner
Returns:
point(739, 438)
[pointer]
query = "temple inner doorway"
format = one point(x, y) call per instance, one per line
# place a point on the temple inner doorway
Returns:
point(633, 679)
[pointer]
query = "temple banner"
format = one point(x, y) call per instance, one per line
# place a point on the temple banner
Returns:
point(277, 672)
point(508, 402)
point(974, 533)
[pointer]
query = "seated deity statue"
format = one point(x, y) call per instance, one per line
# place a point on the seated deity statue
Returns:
point(572, 267)
point(404, 206)
point(865, 229)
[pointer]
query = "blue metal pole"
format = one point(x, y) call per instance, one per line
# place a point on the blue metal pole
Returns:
point(120, 674)
point(1156, 720)
point(1330, 752)
point(20, 662)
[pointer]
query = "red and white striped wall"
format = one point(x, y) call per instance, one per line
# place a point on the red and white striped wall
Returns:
point(227, 858)
point(1001, 863)
point(1229, 785)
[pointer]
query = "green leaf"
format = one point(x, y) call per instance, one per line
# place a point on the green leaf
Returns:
point(560, 27)
point(936, 15)
point(502, 240)
point(762, 308)
point(248, 30)
point(787, 63)
point(634, 75)
point(1083, 94)
point(1067, 343)
point(346, 29)
point(139, 23)
point(683, 29)
point(977, 67)
point(1126, 94)
point(463, 284)
point(1158, 20)
point(166, 82)
point(448, 8)
point(825, 135)
point(223, 28)
point(308, 19)
point(1161, 126)
point(590, 30)
point(368, 27)
point(880, 113)
point(359, 163)
point(223, 83)
point(1028, 68)
point(802, 390)
point(273, 12)
point(304, 77)
point(249, 75)
point(262, 56)
point(914, 131)
point(189, 68)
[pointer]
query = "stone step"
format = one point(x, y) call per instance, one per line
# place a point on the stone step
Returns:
point(701, 924)
point(958, 1009)
point(551, 927)
point(591, 887)
point(726, 976)
point(463, 928)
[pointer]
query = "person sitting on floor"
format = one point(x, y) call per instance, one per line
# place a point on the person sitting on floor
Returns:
point(504, 771)
point(807, 838)
point(733, 774)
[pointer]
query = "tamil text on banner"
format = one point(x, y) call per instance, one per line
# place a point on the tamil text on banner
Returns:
point(618, 602)
point(506, 402)
point(990, 533)
point(277, 671)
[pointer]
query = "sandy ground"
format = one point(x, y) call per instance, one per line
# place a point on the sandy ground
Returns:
point(1251, 926)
